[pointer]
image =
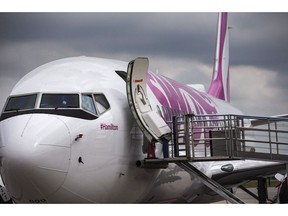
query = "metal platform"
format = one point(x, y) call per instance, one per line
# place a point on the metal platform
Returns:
point(216, 137)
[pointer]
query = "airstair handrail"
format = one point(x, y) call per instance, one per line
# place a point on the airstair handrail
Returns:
point(230, 136)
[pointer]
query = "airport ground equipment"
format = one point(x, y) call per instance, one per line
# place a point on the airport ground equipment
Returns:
point(223, 137)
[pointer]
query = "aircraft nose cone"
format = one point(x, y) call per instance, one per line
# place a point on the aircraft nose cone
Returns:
point(35, 156)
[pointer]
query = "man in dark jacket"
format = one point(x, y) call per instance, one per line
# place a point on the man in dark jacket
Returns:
point(283, 195)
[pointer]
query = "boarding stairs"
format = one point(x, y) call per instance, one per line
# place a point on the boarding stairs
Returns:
point(228, 137)
point(223, 137)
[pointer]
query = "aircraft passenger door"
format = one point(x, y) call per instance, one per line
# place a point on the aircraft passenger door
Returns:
point(150, 122)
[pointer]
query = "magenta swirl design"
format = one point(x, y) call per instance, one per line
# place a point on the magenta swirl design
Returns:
point(180, 98)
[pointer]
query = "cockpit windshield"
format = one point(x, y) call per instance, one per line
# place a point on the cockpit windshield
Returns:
point(24, 102)
point(59, 101)
point(78, 105)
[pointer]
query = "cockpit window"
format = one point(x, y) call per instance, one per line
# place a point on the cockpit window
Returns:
point(88, 103)
point(88, 106)
point(101, 103)
point(21, 103)
point(59, 101)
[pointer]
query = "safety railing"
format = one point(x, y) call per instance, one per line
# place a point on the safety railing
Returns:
point(212, 137)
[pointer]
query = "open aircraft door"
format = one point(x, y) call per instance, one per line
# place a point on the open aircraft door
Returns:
point(150, 122)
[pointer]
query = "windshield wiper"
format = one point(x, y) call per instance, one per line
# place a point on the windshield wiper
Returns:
point(15, 110)
point(65, 107)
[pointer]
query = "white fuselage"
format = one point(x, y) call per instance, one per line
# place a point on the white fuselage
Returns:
point(53, 157)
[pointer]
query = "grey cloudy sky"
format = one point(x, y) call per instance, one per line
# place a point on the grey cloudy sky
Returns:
point(179, 45)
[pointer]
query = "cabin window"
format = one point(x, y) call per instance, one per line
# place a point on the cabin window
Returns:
point(59, 101)
point(88, 103)
point(24, 102)
point(101, 103)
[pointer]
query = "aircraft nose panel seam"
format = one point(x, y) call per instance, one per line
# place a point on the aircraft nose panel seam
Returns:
point(38, 153)
point(26, 126)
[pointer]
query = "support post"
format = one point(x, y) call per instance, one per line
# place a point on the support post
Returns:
point(262, 190)
point(187, 138)
point(175, 136)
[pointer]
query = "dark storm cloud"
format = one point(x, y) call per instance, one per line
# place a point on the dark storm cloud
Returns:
point(256, 38)
point(164, 33)
point(178, 42)
point(29, 37)
point(260, 39)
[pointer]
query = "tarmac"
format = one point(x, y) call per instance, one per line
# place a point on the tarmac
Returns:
point(248, 199)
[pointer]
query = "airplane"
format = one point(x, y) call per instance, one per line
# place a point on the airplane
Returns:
point(71, 132)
